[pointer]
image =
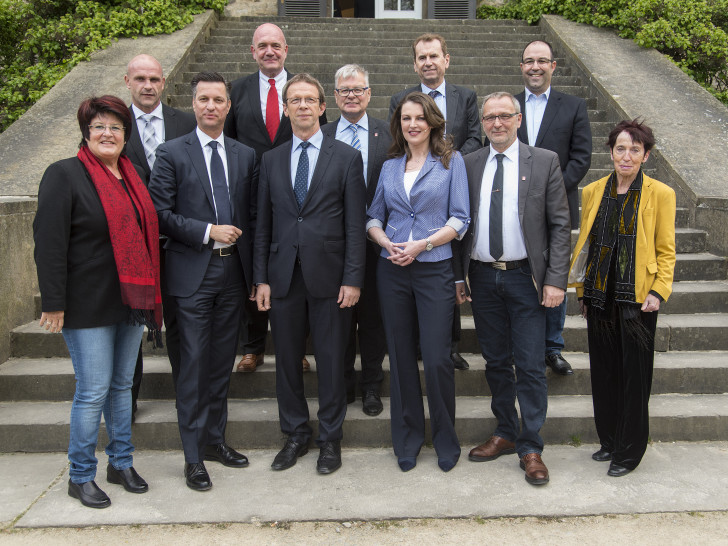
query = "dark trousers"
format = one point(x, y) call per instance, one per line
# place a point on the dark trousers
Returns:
point(421, 293)
point(329, 332)
point(621, 378)
point(208, 323)
point(509, 323)
point(372, 344)
point(253, 329)
point(169, 311)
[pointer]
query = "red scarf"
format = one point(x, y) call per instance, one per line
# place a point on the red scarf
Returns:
point(136, 249)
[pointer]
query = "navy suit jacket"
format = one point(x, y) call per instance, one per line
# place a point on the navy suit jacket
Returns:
point(326, 235)
point(542, 212)
point(176, 124)
point(182, 194)
point(379, 141)
point(245, 121)
point(565, 130)
point(463, 116)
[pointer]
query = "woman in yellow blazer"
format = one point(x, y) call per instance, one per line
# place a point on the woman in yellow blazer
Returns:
point(622, 269)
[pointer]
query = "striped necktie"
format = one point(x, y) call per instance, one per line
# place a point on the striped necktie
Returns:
point(149, 139)
point(355, 136)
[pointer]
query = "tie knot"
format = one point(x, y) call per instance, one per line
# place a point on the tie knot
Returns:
point(354, 127)
point(434, 93)
point(148, 117)
point(499, 157)
point(305, 145)
point(272, 82)
point(213, 144)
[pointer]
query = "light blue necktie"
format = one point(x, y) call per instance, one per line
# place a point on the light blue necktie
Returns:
point(355, 136)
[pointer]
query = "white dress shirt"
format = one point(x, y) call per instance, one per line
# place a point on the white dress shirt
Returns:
point(207, 152)
point(514, 247)
point(344, 134)
point(440, 99)
point(264, 87)
point(535, 108)
point(313, 153)
point(157, 122)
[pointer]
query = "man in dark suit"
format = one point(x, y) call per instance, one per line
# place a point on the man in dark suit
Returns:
point(371, 137)
point(158, 123)
point(309, 266)
point(459, 106)
point(517, 260)
point(256, 119)
point(202, 185)
point(560, 123)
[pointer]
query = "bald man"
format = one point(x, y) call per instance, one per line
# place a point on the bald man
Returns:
point(155, 123)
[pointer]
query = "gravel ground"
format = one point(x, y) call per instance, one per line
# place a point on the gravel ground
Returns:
point(672, 528)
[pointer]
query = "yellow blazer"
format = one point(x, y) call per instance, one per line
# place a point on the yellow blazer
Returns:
point(655, 246)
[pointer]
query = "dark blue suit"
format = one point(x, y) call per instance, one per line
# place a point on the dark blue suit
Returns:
point(208, 288)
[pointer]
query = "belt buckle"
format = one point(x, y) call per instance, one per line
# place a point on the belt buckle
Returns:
point(226, 251)
point(499, 265)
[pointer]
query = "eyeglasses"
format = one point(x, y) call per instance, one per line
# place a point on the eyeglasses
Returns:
point(502, 117)
point(115, 129)
point(358, 91)
point(542, 62)
point(297, 100)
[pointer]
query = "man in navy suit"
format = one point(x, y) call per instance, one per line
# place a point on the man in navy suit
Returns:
point(158, 123)
point(202, 186)
point(256, 119)
point(309, 267)
point(558, 122)
point(459, 106)
point(372, 138)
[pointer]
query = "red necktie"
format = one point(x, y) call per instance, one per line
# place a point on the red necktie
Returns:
point(272, 117)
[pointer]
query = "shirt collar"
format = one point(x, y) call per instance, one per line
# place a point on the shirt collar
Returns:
point(280, 78)
point(315, 141)
point(205, 139)
point(441, 88)
point(546, 94)
point(157, 112)
point(511, 153)
point(344, 123)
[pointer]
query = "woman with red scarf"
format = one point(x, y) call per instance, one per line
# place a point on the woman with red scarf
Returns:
point(97, 255)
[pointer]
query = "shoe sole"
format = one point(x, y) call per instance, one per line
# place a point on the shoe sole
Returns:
point(198, 488)
point(373, 413)
point(325, 471)
point(104, 505)
point(118, 481)
point(479, 459)
point(602, 459)
point(293, 463)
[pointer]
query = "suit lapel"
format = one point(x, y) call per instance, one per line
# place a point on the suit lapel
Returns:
point(253, 95)
point(399, 183)
point(322, 163)
point(475, 182)
point(524, 178)
point(549, 115)
point(233, 175)
point(170, 123)
point(198, 162)
point(523, 129)
point(452, 101)
point(136, 147)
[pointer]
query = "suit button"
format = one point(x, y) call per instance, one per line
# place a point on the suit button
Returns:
point(412, 214)
point(300, 219)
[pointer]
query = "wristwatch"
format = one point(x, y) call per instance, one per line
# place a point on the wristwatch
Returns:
point(429, 246)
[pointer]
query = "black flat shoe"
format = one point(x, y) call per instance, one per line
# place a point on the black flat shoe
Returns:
point(617, 470)
point(602, 455)
point(290, 453)
point(89, 494)
point(371, 403)
point(459, 362)
point(329, 460)
point(223, 453)
point(197, 477)
point(128, 477)
point(559, 364)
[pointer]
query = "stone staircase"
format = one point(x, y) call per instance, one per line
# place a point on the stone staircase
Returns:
point(690, 400)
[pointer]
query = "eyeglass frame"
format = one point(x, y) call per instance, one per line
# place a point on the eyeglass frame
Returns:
point(101, 129)
point(543, 61)
point(345, 91)
point(503, 118)
point(310, 101)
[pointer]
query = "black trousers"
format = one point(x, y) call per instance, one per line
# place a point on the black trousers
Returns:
point(621, 377)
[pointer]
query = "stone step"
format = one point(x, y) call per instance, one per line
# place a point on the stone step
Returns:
point(43, 426)
point(52, 379)
point(509, 40)
point(405, 26)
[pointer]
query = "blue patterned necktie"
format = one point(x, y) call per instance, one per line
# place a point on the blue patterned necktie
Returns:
point(434, 93)
point(149, 140)
point(300, 186)
point(355, 136)
point(219, 187)
point(496, 211)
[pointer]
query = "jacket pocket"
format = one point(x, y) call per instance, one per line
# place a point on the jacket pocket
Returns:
point(334, 246)
point(652, 268)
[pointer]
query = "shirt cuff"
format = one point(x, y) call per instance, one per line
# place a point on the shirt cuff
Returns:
point(374, 223)
point(458, 226)
point(207, 234)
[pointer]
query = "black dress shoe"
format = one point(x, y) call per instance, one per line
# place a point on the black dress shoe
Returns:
point(459, 362)
point(290, 453)
point(128, 477)
point(602, 455)
point(329, 460)
point(223, 453)
point(197, 477)
point(617, 470)
point(559, 364)
point(89, 494)
point(372, 403)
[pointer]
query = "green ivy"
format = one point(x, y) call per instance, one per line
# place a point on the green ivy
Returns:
point(41, 40)
point(693, 33)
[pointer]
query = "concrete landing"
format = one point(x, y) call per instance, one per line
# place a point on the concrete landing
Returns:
point(679, 477)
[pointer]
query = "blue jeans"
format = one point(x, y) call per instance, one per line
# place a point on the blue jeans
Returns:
point(103, 361)
point(555, 318)
point(509, 323)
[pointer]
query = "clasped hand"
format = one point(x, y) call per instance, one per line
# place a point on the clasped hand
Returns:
point(404, 253)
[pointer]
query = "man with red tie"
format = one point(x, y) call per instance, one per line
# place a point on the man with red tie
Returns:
point(256, 119)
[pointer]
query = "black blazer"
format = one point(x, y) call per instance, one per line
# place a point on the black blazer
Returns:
point(245, 121)
point(176, 124)
point(565, 130)
point(327, 234)
point(182, 194)
point(73, 254)
point(379, 142)
point(463, 116)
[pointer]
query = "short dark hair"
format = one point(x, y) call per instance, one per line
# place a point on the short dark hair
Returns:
point(429, 37)
point(636, 129)
point(440, 144)
point(106, 104)
point(551, 49)
point(305, 78)
point(213, 77)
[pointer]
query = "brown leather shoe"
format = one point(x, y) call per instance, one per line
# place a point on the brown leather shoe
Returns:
point(306, 365)
point(536, 471)
point(249, 362)
point(492, 449)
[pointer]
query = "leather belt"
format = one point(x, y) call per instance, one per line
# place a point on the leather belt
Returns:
point(225, 251)
point(503, 266)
